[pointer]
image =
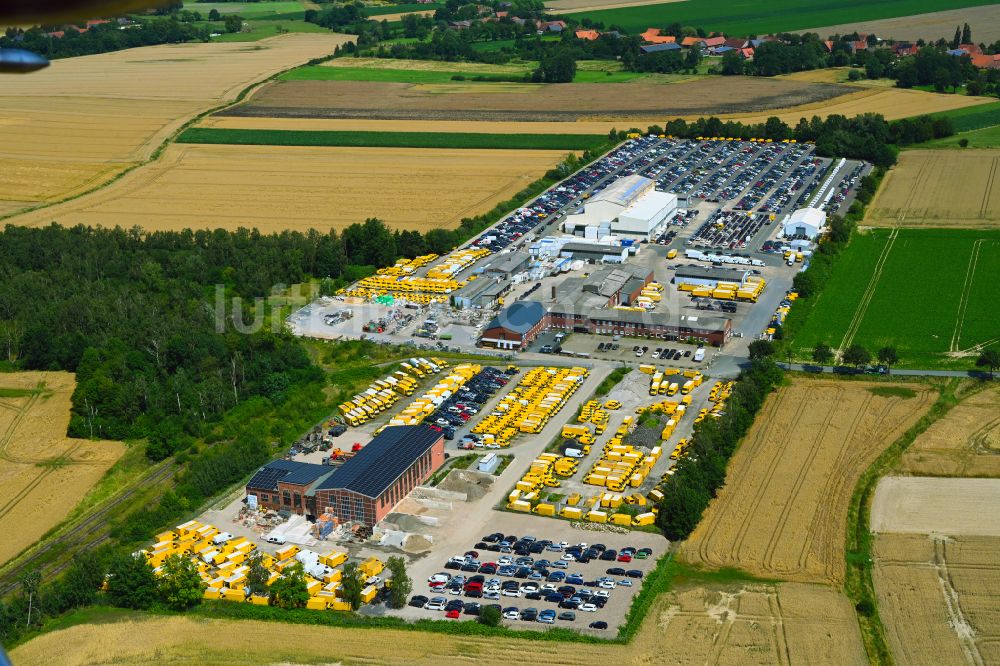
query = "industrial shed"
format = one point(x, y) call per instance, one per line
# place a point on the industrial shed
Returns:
point(709, 277)
point(805, 223)
point(631, 206)
point(595, 253)
point(515, 327)
point(369, 485)
point(282, 485)
point(482, 293)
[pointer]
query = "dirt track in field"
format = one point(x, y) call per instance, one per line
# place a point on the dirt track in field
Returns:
point(783, 511)
point(518, 102)
point(43, 473)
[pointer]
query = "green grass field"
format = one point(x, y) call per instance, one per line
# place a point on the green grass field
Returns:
point(973, 117)
point(321, 73)
point(249, 10)
point(249, 137)
point(988, 137)
point(264, 29)
point(933, 295)
point(402, 8)
point(746, 17)
point(584, 74)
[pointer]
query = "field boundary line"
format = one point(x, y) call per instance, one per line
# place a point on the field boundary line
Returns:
point(964, 631)
point(778, 626)
point(704, 548)
point(963, 302)
point(782, 523)
point(989, 188)
point(869, 293)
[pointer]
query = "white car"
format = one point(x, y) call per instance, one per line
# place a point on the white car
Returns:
point(512, 615)
point(458, 559)
point(510, 592)
point(588, 608)
point(439, 578)
point(549, 587)
point(491, 588)
point(569, 557)
point(437, 603)
point(505, 560)
point(530, 587)
point(625, 582)
point(374, 580)
point(602, 593)
point(606, 585)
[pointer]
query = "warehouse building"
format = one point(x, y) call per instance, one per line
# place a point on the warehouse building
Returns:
point(369, 485)
point(482, 293)
point(805, 223)
point(630, 207)
point(515, 327)
point(507, 265)
point(282, 485)
point(604, 288)
point(595, 253)
point(364, 489)
point(710, 277)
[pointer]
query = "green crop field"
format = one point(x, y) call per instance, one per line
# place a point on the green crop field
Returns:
point(988, 137)
point(975, 117)
point(417, 75)
point(746, 17)
point(251, 137)
point(402, 9)
point(248, 10)
point(927, 292)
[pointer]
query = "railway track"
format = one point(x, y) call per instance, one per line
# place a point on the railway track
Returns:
point(87, 534)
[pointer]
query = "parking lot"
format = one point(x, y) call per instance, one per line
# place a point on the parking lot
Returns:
point(537, 573)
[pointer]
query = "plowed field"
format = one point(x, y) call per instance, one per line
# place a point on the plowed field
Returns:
point(275, 188)
point(43, 474)
point(83, 120)
point(783, 510)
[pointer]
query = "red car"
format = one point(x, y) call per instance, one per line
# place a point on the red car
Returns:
point(452, 614)
point(624, 557)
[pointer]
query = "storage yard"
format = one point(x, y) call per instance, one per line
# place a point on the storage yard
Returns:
point(43, 473)
point(591, 257)
point(783, 512)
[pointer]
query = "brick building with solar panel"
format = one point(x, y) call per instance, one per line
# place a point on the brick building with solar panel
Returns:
point(365, 488)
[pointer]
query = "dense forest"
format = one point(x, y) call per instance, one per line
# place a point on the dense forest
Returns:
point(103, 38)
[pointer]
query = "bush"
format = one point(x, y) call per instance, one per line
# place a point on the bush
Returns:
point(489, 616)
point(964, 143)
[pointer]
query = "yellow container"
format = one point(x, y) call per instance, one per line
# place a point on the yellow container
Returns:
point(571, 512)
point(597, 517)
point(545, 510)
point(621, 519)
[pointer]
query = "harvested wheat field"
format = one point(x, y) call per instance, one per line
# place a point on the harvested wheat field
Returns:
point(783, 510)
point(359, 124)
point(43, 473)
point(274, 188)
point(768, 625)
point(940, 188)
point(83, 120)
point(939, 597)
point(965, 442)
point(528, 102)
point(928, 505)
point(985, 22)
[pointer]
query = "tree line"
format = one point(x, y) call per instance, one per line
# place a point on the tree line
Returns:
point(103, 38)
point(700, 475)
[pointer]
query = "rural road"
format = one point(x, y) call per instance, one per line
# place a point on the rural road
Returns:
point(900, 372)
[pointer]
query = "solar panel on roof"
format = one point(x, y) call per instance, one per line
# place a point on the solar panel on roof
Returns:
point(383, 460)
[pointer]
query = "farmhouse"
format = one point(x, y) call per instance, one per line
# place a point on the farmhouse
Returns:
point(805, 223)
point(365, 489)
point(629, 207)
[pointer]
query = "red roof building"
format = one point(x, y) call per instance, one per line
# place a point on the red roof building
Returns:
point(587, 35)
point(691, 41)
point(653, 36)
point(983, 61)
